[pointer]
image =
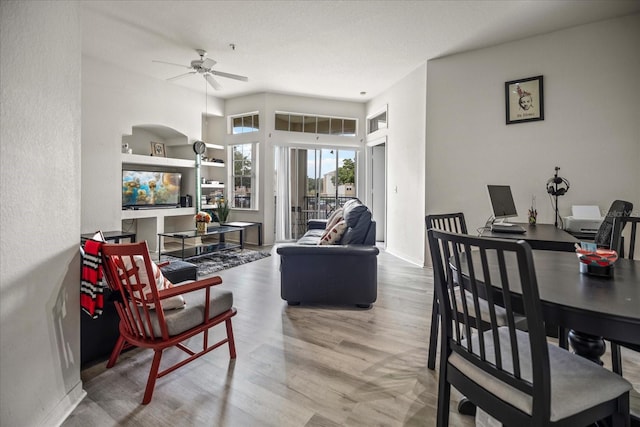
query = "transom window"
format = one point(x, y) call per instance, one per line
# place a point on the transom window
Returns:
point(377, 122)
point(244, 123)
point(293, 122)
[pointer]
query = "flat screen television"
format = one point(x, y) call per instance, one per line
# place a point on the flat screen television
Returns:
point(502, 201)
point(150, 189)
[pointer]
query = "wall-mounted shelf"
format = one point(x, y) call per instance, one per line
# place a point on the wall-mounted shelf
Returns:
point(139, 159)
point(214, 164)
point(212, 185)
point(156, 213)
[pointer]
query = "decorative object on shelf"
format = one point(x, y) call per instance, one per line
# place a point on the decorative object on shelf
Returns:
point(202, 219)
point(157, 149)
point(199, 147)
point(533, 213)
point(557, 186)
point(524, 100)
point(222, 210)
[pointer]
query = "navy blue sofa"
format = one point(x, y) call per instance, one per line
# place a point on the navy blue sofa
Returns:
point(344, 273)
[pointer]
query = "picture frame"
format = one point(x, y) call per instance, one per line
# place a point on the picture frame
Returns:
point(524, 100)
point(157, 149)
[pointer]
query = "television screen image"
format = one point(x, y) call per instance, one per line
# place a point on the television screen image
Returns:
point(145, 188)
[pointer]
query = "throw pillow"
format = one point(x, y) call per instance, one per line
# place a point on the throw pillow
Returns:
point(331, 220)
point(334, 235)
point(334, 218)
point(158, 280)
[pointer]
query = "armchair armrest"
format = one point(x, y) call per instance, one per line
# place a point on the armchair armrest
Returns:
point(316, 224)
point(327, 250)
point(189, 287)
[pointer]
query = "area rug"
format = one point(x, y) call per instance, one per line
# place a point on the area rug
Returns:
point(217, 261)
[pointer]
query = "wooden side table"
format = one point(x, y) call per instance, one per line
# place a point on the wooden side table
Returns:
point(111, 236)
point(245, 225)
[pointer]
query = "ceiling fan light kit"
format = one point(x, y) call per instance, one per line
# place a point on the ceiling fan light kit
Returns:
point(204, 66)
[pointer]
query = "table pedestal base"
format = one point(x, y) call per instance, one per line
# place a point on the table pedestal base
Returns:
point(588, 346)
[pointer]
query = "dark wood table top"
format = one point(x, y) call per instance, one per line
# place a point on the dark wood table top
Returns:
point(607, 307)
point(540, 236)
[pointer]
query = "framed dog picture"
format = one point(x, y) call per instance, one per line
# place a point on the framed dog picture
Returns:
point(524, 100)
point(157, 149)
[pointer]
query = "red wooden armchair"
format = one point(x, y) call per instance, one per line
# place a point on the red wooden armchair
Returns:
point(143, 323)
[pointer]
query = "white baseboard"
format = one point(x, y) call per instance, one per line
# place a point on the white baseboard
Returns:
point(65, 407)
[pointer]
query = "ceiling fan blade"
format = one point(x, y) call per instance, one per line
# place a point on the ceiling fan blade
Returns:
point(181, 75)
point(171, 63)
point(230, 76)
point(208, 63)
point(214, 84)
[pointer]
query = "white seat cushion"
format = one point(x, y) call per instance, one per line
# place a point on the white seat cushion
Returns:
point(576, 383)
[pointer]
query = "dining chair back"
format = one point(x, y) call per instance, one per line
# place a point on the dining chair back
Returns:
point(625, 247)
point(455, 223)
point(514, 376)
point(159, 319)
point(608, 234)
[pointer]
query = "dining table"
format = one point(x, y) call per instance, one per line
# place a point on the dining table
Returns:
point(595, 307)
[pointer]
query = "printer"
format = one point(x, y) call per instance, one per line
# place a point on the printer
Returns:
point(583, 219)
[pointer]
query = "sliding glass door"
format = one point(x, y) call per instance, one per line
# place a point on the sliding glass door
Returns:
point(316, 183)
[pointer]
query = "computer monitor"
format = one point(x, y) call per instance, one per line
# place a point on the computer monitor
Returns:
point(502, 201)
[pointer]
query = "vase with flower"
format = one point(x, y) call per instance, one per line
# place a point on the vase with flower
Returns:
point(202, 219)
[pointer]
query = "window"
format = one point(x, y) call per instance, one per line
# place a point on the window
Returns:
point(244, 123)
point(377, 122)
point(243, 176)
point(306, 123)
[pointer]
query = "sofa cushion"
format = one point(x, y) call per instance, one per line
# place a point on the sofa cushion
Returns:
point(333, 236)
point(311, 237)
point(358, 220)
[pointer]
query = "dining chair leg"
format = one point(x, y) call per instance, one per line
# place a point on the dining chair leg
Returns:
point(433, 338)
point(616, 359)
point(444, 395)
point(153, 376)
point(563, 340)
point(232, 342)
point(115, 353)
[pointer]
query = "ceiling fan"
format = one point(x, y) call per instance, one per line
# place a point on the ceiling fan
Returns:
point(204, 66)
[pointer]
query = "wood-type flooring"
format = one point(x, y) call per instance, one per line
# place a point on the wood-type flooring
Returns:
point(296, 366)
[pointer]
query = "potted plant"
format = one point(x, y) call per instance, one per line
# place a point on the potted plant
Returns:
point(222, 210)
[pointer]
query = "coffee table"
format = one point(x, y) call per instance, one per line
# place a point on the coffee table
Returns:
point(204, 248)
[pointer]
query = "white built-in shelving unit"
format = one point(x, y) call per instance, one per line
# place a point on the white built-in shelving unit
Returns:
point(180, 157)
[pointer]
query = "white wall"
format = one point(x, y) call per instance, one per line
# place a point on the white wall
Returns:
point(591, 127)
point(405, 150)
point(40, 210)
point(113, 101)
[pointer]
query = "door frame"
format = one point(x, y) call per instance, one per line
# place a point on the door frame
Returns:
point(381, 218)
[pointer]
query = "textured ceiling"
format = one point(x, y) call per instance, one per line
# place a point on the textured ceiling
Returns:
point(329, 49)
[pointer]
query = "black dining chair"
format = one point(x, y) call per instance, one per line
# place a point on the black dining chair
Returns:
point(516, 377)
point(616, 356)
point(607, 235)
point(453, 222)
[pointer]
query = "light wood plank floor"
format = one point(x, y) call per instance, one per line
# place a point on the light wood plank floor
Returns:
point(296, 366)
